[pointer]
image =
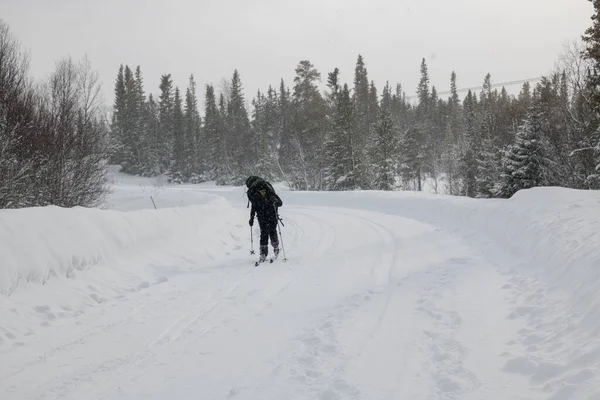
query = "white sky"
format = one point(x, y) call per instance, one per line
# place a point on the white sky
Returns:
point(265, 39)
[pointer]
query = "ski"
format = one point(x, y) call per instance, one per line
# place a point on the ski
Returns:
point(256, 263)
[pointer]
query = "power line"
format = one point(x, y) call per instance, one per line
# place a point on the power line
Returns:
point(509, 83)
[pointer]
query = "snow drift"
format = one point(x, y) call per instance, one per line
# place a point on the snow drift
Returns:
point(37, 244)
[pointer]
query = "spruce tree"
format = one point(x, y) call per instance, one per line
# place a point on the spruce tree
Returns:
point(166, 135)
point(139, 124)
point(117, 125)
point(179, 159)
point(193, 143)
point(263, 127)
point(423, 94)
point(309, 123)
point(591, 140)
point(238, 126)
point(361, 98)
point(524, 162)
point(434, 141)
point(471, 146)
point(272, 119)
point(131, 159)
point(331, 142)
point(592, 52)
point(340, 159)
point(284, 125)
point(227, 163)
point(453, 139)
point(384, 148)
point(214, 140)
point(152, 136)
point(488, 165)
point(412, 159)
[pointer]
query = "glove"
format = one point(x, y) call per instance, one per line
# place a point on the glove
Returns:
point(251, 221)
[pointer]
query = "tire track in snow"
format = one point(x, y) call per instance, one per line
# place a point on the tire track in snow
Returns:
point(327, 240)
point(388, 238)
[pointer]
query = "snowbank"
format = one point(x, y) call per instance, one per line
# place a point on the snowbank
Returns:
point(129, 193)
point(37, 244)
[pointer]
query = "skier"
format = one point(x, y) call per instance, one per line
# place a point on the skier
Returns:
point(264, 204)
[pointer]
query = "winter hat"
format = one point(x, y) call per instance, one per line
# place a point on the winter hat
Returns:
point(251, 180)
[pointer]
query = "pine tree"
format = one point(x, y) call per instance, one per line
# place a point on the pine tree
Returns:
point(331, 143)
point(361, 98)
point(421, 155)
point(384, 148)
point(179, 159)
point(591, 141)
point(263, 128)
point(152, 136)
point(238, 126)
point(193, 142)
point(118, 119)
point(401, 110)
point(139, 121)
point(504, 119)
point(166, 130)
point(412, 159)
point(434, 141)
point(364, 178)
point(284, 127)
point(365, 104)
point(227, 163)
point(309, 124)
point(271, 123)
point(339, 157)
point(423, 94)
point(215, 146)
point(524, 163)
point(592, 52)
point(127, 124)
point(453, 139)
point(488, 164)
point(471, 146)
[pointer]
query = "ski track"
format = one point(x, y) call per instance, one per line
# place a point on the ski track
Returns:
point(368, 306)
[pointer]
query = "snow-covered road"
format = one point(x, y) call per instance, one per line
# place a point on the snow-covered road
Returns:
point(369, 305)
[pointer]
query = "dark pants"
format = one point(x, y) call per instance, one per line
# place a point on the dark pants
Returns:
point(268, 229)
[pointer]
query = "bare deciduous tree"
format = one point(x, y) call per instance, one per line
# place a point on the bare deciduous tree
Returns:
point(52, 137)
point(74, 167)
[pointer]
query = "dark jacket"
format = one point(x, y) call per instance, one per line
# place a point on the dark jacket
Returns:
point(264, 200)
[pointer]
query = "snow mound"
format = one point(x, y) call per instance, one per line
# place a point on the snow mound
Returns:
point(37, 244)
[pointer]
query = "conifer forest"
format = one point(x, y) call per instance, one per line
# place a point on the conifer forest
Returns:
point(314, 133)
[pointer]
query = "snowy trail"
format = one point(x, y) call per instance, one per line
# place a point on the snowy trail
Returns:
point(368, 306)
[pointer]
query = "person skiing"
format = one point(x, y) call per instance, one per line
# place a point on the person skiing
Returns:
point(265, 203)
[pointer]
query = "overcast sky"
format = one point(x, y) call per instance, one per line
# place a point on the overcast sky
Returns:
point(265, 39)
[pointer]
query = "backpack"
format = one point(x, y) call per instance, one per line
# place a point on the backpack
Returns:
point(254, 181)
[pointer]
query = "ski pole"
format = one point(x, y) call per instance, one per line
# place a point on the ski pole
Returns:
point(280, 235)
point(251, 241)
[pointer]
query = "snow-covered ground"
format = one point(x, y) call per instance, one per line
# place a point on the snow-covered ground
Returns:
point(383, 296)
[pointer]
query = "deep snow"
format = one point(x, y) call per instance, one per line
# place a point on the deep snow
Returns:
point(384, 296)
